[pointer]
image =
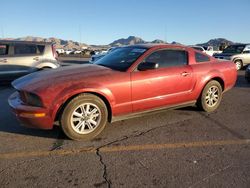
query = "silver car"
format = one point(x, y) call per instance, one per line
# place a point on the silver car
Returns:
point(238, 53)
point(18, 58)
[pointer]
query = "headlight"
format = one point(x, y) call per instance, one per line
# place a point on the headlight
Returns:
point(30, 99)
point(248, 67)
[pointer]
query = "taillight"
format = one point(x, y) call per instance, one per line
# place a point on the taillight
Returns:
point(54, 51)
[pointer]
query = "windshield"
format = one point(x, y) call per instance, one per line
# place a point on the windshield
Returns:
point(122, 58)
point(235, 49)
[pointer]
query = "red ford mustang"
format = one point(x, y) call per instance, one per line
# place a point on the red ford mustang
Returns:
point(128, 82)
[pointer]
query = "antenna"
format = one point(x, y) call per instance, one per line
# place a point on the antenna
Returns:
point(80, 33)
point(2, 31)
point(165, 33)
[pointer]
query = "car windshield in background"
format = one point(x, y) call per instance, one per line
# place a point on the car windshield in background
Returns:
point(122, 58)
point(235, 49)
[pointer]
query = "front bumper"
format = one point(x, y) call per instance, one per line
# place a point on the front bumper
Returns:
point(30, 116)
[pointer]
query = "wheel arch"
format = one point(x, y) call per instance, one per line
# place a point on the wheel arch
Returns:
point(237, 59)
point(41, 65)
point(102, 97)
point(216, 78)
point(220, 80)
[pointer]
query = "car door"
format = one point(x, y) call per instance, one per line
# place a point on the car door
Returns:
point(4, 55)
point(246, 56)
point(23, 58)
point(171, 83)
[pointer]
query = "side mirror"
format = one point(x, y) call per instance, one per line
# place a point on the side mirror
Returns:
point(147, 66)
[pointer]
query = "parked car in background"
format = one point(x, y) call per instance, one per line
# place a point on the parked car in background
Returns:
point(69, 51)
point(238, 53)
point(128, 82)
point(77, 52)
point(247, 74)
point(98, 56)
point(206, 49)
point(18, 58)
point(60, 51)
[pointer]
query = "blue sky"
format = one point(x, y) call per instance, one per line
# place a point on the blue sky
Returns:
point(103, 21)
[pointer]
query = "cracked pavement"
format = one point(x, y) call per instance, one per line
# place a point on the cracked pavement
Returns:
point(175, 148)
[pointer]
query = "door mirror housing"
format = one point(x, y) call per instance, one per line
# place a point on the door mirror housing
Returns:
point(148, 66)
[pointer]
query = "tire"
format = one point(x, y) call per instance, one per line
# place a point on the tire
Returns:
point(80, 119)
point(210, 97)
point(238, 64)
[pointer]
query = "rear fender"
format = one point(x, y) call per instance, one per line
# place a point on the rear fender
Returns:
point(46, 63)
point(211, 75)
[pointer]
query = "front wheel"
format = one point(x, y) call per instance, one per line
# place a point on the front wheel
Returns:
point(84, 117)
point(238, 64)
point(210, 97)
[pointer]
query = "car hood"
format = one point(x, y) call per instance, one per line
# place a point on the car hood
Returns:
point(60, 76)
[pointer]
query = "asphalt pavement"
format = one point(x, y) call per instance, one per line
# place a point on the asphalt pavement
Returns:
point(174, 148)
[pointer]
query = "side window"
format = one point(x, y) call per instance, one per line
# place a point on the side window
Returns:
point(246, 52)
point(40, 49)
point(199, 58)
point(4, 48)
point(22, 49)
point(168, 58)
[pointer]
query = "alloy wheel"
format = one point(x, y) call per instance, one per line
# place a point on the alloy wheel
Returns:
point(85, 118)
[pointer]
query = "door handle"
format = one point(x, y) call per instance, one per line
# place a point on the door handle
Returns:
point(185, 74)
point(3, 60)
point(36, 58)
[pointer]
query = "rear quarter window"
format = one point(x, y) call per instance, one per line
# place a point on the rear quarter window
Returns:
point(199, 57)
point(40, 49)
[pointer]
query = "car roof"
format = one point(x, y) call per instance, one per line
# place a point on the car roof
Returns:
point(25, 42)
point(152, 45)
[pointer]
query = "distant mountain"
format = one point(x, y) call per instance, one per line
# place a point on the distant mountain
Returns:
point(131, 40)
point(59, 43)
point(158, 41)
point(177, 43)
point(216, 42)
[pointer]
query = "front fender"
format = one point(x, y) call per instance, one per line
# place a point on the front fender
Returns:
point(73, 90)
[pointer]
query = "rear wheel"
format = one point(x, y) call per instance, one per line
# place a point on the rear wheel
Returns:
point(211, 96)
point(238, 64)
point(84, 117)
